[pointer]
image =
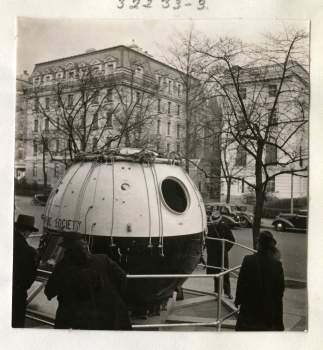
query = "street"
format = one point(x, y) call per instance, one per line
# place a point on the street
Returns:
point(293, 245)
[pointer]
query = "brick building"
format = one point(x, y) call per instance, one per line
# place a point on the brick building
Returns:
point(119, 96)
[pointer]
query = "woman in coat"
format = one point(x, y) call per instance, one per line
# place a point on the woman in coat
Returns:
point(260, 288)
point(89, 289)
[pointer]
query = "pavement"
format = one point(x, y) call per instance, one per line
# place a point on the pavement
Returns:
point(204, 309)
point(201, 306)
point(197, 307)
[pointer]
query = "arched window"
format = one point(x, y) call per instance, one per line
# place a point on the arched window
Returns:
point(60, 74)
point(96, 67)
point(36, 81)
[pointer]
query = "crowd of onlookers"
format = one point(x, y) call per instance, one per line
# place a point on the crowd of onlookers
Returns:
point(90, 288)
point(260, 286)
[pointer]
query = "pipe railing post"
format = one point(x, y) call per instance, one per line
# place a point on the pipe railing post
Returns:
point(220, 285)
point(220, 277)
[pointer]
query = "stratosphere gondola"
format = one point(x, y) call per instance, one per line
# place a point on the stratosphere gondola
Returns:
point(141, 209)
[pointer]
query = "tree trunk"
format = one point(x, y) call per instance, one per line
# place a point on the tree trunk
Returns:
point(229, 183)
point(258, 214)
point(187, 144)
point(44, 168)
point(215, 183)
point(187, 130)
point(260, 196)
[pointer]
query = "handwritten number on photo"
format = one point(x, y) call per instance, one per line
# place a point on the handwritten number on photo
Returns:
point(135, 4)
point(178, 5)
point(201, 5)
point(148, 5)
point(121, 4)
point(165, 4)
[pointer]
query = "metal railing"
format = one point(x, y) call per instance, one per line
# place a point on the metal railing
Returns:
point(224, 271)
point(218, 321)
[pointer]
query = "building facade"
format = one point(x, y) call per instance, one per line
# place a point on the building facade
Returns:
point(22, 84)
point(286, 146)
point(100, 100)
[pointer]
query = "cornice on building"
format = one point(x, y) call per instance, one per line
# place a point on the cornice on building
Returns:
point(43, 65)
point(268, 73)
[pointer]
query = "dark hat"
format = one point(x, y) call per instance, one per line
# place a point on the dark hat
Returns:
point(216, 215)
point(266, 239)
point(26, 222)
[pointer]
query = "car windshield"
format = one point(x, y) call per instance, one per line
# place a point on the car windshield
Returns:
point(238, 208)
point(41, 197)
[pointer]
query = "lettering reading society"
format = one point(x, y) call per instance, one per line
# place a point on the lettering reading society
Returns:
point(165, 4)
point(63, 224)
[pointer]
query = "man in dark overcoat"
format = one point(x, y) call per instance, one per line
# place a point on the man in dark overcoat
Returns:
point(89, 288)
point(260, 289)
point(218, 229)
point(25, 262)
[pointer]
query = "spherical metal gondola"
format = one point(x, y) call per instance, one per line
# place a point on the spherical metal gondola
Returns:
point(142, 210)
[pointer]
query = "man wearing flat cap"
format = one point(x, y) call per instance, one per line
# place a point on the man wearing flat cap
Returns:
point(25, 262)
point(260, 288)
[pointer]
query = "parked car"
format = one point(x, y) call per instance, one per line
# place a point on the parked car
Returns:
point(232, 215)
point(288, 221)
point(244, 216)
point(40, 199)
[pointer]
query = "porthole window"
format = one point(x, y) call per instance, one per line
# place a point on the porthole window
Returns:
point(174, 195)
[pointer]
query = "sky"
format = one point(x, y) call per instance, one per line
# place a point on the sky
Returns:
point(41, 39)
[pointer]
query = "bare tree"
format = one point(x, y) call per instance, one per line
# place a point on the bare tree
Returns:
point(193, 75)
point(136, 110)
point(232, 167)
point(200, 108)
point(264, 91)
point(92, 110)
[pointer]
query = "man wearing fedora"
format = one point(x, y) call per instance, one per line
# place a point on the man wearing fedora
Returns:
point(218, 229)
point(25, 262)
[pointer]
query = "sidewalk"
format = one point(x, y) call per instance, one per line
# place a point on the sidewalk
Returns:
point(197, 308)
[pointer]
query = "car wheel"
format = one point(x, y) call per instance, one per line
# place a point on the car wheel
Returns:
point(279, 226)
